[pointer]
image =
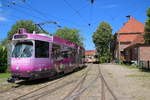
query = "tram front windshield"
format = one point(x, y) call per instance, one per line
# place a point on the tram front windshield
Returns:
point(23, 49)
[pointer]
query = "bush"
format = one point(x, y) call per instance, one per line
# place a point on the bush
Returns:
point(103, 59)
point(3, 59)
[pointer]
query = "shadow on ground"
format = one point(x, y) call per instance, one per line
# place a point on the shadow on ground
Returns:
point(45, 80)
point(144, 70)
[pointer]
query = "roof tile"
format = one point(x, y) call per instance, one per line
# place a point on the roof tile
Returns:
point(132, 26)
point(90, 52)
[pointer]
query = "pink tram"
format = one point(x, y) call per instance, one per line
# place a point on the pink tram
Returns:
point(35, 56)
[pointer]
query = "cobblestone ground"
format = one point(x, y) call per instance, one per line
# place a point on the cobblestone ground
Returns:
point(86, 84)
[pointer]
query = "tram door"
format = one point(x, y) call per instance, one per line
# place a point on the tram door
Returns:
point(56, 57)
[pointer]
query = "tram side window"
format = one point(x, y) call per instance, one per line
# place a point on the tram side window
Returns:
point(41, 49)
point(72, 52)
point(64, 54)
point(68, 53)
point(56, 51)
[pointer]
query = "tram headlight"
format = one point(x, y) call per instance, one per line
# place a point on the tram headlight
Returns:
point(17, 67)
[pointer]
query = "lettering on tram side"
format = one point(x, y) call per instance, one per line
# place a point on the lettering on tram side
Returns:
point(20, 61)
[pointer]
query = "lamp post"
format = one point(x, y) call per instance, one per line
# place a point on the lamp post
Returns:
point(118, 37)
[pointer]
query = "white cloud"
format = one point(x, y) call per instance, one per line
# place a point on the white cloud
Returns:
point(2, 19)
point(109, 6)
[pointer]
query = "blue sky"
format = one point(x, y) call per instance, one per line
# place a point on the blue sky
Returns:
point(72, 13)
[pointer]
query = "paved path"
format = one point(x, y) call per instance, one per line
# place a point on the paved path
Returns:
point(117, 83)
point(128, 84)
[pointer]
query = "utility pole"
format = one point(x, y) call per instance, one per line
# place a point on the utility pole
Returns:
point(92, 1)
point(118, 37)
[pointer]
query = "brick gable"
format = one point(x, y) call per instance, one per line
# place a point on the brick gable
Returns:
point(132, 26)
point(90, 52)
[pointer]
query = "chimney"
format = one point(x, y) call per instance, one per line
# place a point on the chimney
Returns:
point(129, 16)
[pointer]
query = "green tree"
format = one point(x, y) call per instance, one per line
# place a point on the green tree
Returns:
point(72, 35)
point(102, 39)
point(147, 27)
point(27, 24)
point(3, 58)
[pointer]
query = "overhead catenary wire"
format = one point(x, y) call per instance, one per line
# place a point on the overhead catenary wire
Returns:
point(20, 10)
point(91, 12)
point(45, 15)
point(30, 7)
point(23, 11)
point(81, 8)
point(76, 11)
point(42, 14)
point(58, 19)
point(14, 17)
point(114, 17)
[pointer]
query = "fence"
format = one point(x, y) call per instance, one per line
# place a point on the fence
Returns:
point(144, 64)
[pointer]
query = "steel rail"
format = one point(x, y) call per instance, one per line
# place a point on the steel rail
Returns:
point(79, 84)
point(48, 93)
point(12, 88)
point(19, 97)
point(76, 94)
point(39, 95)
point(107, 86)
point(44, 92)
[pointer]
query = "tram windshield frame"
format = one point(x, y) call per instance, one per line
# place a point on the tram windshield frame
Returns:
point(22, 49)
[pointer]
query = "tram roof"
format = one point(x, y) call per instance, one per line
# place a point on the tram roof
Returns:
point(45, 37)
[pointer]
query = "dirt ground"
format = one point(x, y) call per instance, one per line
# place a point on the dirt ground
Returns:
point(128, 84)
point(85, 84)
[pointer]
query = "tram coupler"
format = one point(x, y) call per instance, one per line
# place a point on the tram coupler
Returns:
point(12, 80)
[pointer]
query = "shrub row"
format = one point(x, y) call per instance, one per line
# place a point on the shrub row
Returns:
point(3, 58)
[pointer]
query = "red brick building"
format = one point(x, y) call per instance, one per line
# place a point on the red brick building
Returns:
point(130, 44)
point(138, 50)
point(90, 52)
point(89, 56)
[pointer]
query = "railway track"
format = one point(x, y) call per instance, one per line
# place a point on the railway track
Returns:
point(75, 92)
point(104, 83)
point(21, 85)
point(48, 92)
point(22, 96)
point(12, 88)
point(80, 84)
point(74, 95)
point(37, 95)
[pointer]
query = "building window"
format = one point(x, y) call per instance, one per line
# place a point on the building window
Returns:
point(126, 53)
point(122, 53)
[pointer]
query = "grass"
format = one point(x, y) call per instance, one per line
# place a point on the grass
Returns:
point(130, 66)
point(110, 74)
point(141, 75)
point(144, 70)
point(4, 75)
